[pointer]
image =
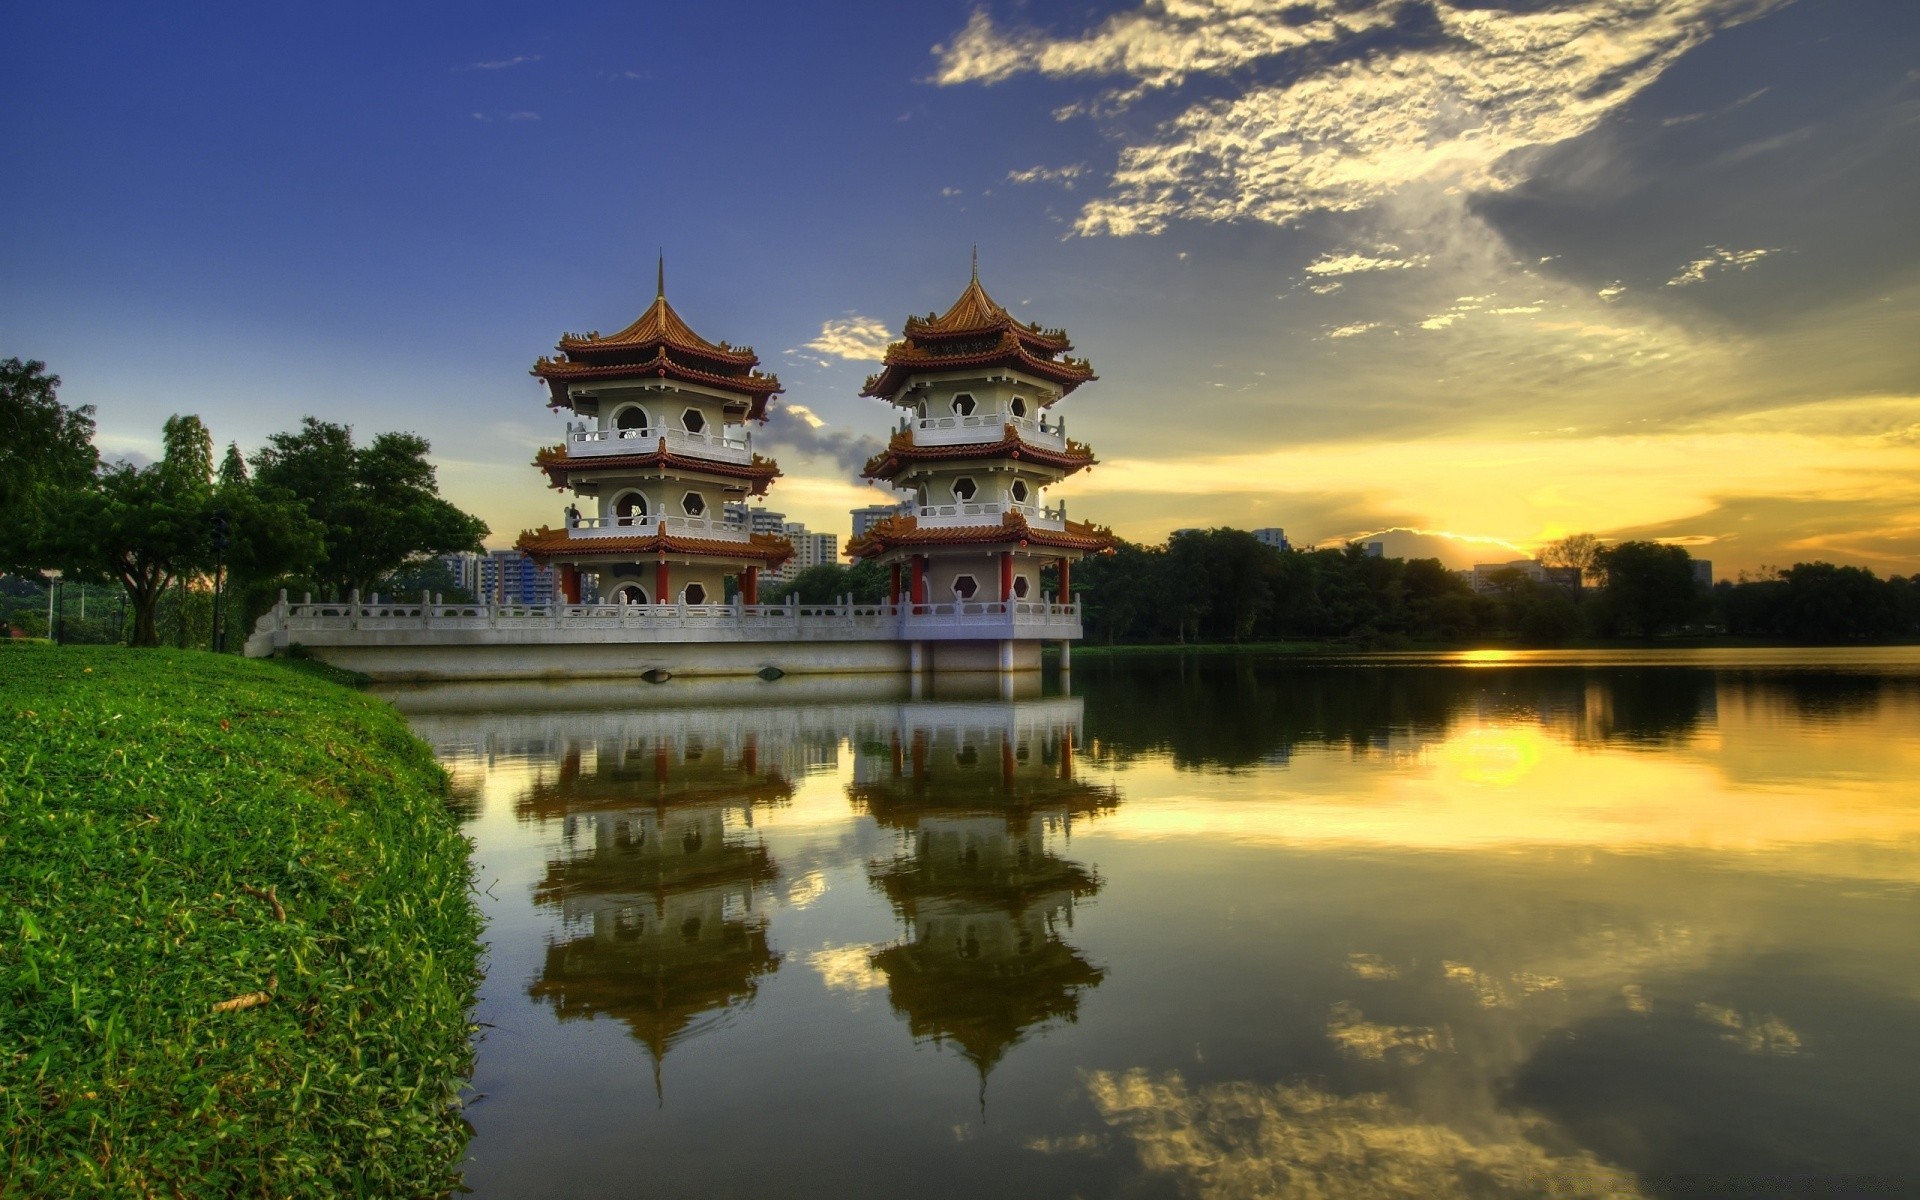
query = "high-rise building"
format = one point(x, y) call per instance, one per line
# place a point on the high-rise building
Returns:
point(866, 518)
point(511, 577)
point(1703, 572)
point(1274, 537)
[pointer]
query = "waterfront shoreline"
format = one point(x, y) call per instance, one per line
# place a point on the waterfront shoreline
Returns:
point(242, 944)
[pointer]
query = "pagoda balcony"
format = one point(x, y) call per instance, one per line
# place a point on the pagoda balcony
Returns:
point(987, 427)
point(716, 445)
point(985, 512)
point(717, 529)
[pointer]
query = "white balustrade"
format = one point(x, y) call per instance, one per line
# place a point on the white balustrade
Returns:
point(714, 444)
point(647, 524)
point(987, 427)
point(986, 512)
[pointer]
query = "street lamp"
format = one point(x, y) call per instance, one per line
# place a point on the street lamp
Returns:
point(219, 518)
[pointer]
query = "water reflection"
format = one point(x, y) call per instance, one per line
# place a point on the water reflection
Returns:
point(1615, 929)
point(658, 874)
point(978, 795)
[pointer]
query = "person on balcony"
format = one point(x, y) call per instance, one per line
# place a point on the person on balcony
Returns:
point(573, 516)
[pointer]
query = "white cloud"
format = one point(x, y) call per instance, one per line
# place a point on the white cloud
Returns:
point(806, 415)
point(523, 116)
point(501, 64)
point(1060, 175)
point(1351, 262)
point(1459, 110)
point(1716, 259)
point(861, 339)
point(1354, 330)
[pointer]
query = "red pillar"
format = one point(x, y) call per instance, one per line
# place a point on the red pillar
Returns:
point(1066, 581)
point(750, 755)
point(919, 580)
point(893, 587)
point(750, 586)
point(570, 584)
point(1066, 755)
point(1006, 763)
point(1006, 576)
point(662, 583)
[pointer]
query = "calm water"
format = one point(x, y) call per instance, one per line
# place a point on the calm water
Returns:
point(1583, 925)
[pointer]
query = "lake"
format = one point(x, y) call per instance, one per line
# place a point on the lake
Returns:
point(1202, 926)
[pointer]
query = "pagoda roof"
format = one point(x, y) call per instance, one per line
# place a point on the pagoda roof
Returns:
point(907, 533)
point(902, 451)
point(661, 344)
point(559, 466)
point(547, 544)
point(615, 790)
point(976, 331)
point(984, 1008)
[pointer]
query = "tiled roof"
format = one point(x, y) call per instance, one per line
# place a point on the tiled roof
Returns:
point(907, 533)
point(549, 544)
point(657, 326)
point(559, 465)
point(975, 313)
point(977, 332)
point(902, 451)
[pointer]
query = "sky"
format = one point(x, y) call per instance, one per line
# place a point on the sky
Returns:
point(1459, 275)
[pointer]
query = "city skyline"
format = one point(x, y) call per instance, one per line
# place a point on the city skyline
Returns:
point(1496, 273)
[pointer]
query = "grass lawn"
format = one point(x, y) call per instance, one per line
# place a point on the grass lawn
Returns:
point(237, 937)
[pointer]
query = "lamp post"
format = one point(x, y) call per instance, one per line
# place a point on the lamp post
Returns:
point(53, 593)
point(220, 519)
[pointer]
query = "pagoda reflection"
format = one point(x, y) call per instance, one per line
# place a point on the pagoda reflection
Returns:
point(661, 880)
point(981, 794)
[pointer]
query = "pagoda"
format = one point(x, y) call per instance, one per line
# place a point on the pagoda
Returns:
point(658, 454)
point(978, 446)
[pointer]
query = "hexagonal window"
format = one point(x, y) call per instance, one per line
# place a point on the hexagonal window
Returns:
point(692, 504)
point(630, 417)
point(964, 490)
point(1021, 491)
point(965, 587)
point(693, 420)
point(695, 594)
point(963, 405)
point(1021, 587)
point(1018, 406)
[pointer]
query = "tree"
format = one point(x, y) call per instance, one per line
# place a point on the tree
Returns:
point(1580, 550)
point(379, 506)
point(46, 453)
point(1648, 588)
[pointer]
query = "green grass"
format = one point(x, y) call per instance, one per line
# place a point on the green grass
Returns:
point(153, 806)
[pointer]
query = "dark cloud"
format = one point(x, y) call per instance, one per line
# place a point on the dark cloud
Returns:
point(786, 430)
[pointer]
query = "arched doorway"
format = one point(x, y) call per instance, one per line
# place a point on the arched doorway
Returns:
point(629, 593)
point(630, 417)
point(630, 509)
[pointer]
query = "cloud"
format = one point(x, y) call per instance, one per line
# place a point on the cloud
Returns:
point(854, 337)
point(1716, 259)
point(1354, 330)
point(523, 116)
point(1332, 110)
point(501, 64)
point(796, 427)
point(1348, 262)
point(1060, 175)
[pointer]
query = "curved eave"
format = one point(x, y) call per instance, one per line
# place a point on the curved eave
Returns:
point(553, 545)
point(905, 360)
point(902, 453)
point(758, 474)
point(905, 533)
point(756, 389)
point(1044, 341)
point(660, 325)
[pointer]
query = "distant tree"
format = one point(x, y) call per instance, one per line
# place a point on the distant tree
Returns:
point(427, 574)
point(379, 505)
point(147, 528)
point(1575, 550)
point(1648, 588)
point(46, 454)
point(824, 584)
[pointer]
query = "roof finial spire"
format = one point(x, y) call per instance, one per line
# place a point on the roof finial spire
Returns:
point(976, 262)
point(660, 275)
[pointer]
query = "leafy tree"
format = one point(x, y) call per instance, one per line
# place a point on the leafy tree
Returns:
point(46, 453)
point(1580, 550)
point(1648, 588)
point(424, 575)
point(378, 505)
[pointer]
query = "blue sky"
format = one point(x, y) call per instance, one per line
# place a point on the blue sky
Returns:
point(1492, 271)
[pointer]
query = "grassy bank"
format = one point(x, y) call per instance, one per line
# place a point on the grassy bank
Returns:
point(237, 940)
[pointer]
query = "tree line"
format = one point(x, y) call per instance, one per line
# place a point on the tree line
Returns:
point(310, 510)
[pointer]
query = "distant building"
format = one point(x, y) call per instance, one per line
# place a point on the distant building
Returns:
point(756, 520)
point(1703, 572)
point(810, 549)
point(1274, 537)
point(1374, 549)
point(464, 566)
point(865, 518)
point(511, 577)
point(1483, 575)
